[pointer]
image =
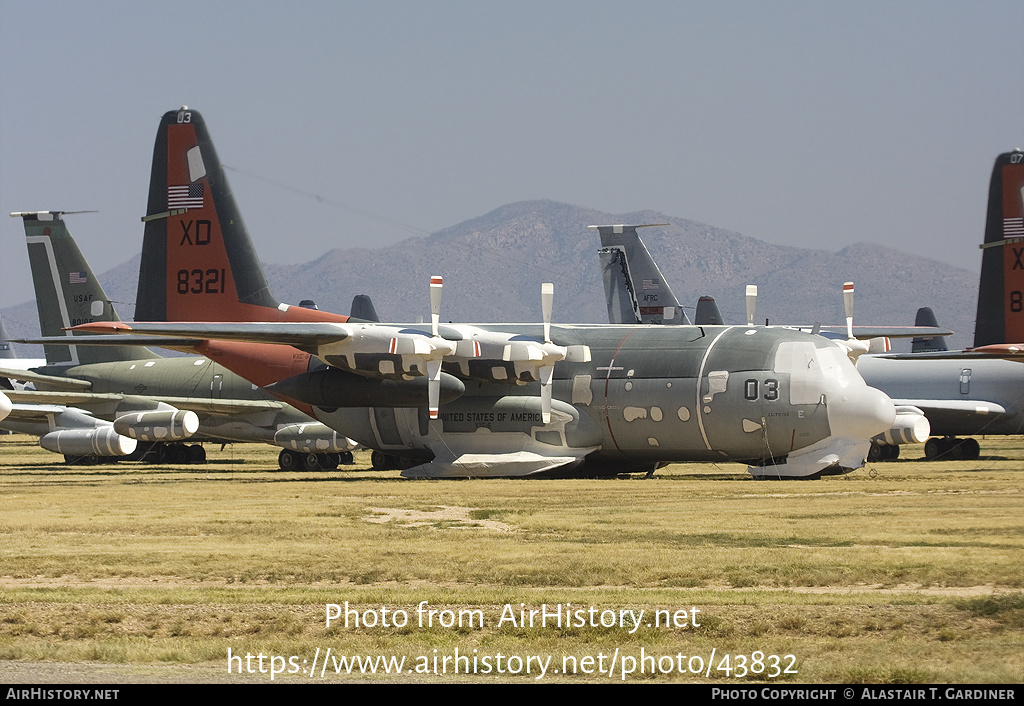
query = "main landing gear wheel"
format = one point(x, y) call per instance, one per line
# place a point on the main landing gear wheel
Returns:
point(87, 460)
point(289, 460)
point(195, 454)
point(883, 452)
point(952, 449)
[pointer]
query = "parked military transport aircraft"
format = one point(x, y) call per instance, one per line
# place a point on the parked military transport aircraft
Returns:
point(960, 392)
point(509, 399)
point(626, 263)
point(97, 401)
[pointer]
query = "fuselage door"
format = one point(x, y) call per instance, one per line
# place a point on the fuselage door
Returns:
point(965, 381)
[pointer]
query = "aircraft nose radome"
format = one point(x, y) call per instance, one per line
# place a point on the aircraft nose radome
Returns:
point(861, 412)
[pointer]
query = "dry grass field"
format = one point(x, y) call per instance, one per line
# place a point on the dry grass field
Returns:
point(904, 572)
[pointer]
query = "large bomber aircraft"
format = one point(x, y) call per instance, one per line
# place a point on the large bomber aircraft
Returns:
point(492, 399)
point(978, 391)
point(108, 402)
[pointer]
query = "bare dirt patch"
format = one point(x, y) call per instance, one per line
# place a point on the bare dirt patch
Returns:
point(445, 517)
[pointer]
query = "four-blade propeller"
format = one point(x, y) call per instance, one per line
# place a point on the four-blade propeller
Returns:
point(529, 355)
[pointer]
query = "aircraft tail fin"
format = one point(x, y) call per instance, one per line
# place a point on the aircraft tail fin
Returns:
point(926, 317)
point(362, 308)
point(626, 263)
point(1000, 316)
point(67, 292)
point(198, 261)
point(707, 312)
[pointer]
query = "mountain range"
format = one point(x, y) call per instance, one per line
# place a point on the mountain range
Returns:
point(493, 267)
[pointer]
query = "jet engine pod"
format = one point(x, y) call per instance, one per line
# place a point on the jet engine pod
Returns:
point(98, 441)
point(910, 427)
point(312, 437)
point(158, 425)
point(330, 387)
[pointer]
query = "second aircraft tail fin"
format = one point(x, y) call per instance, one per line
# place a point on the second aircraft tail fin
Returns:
point(707, 312)
point(1001, 290)
point(67, 292)
point(625, 263)
point(936, 344)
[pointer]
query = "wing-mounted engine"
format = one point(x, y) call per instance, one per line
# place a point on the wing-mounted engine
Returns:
point(97, 441)
point(312, 437)
point(402, 354)
point(76, 433)
point(161, 425)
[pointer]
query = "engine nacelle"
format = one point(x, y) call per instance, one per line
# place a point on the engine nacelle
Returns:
point(910, 427)
point(312, 437)
point(98, 441)
point(158, 425)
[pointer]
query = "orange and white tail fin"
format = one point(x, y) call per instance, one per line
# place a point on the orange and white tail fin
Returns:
point(198, 262)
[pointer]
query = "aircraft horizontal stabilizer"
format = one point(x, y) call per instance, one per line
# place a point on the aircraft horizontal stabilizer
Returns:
point(50, 382)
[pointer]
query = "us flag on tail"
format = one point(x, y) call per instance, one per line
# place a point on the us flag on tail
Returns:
point(188, 196)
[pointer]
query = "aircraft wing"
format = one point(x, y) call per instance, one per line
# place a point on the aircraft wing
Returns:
point(32, 412)
point(943, 412)
point(211, 406)
point(1006, 351)
point(867, 332)
point(61, 398)
point(172, 342)
point(292, 334)
point(976, 406)
point(96, 400)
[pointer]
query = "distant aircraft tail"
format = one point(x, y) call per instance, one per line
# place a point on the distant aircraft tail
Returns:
point(198, 262)
point(708, 313)
point(67, 292)
point(362, 308)
point(1001, 292)
point(626, 261)
point(935, 344)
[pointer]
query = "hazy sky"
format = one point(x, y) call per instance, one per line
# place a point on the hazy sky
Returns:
point(816, 124)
